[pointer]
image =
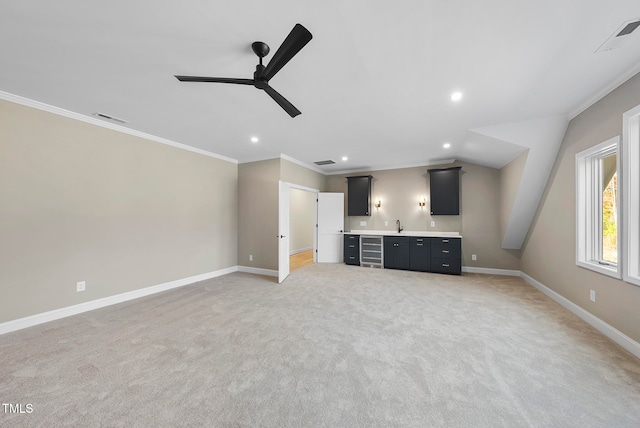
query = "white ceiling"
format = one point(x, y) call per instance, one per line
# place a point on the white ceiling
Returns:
point(373, 84)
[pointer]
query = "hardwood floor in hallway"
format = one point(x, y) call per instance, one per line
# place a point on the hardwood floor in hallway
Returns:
point(296, 261)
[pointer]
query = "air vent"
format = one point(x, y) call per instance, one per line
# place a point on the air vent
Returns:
point(324, 162)
point(107, 117)
point(620, 36)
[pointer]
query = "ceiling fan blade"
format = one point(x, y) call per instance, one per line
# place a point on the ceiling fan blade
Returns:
point(214, 80)
point(296, 40)
point(286, 105)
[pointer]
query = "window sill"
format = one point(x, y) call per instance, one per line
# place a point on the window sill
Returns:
point(612, 271)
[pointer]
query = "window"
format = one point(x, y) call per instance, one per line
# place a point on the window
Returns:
point(597, 205)
point(631, 195)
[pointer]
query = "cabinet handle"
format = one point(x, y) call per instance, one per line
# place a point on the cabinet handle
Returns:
point(445, 265)
point(419, 240)
point(445, 241)
point(445, 251)
point(420, 244)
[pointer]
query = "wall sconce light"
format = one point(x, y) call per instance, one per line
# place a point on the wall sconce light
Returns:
point(378, 204)
point(421, 203)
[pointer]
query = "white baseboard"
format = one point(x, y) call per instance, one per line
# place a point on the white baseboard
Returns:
point(612, 333)
point(258, 271)
point(301, 250)
point(44, 317)
point(490, 271)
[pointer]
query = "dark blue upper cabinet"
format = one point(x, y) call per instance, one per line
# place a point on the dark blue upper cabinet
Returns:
point(359, 195)
point(445, 191)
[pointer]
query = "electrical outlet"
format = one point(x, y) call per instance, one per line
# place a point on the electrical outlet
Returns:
point(592, 295)
point(386, 222)
point(250, 257)
point(474, 257)
point(81, 286)
point(433, 224)
point(363, 223)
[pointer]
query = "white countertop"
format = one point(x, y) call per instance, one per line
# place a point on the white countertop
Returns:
point(407, 233)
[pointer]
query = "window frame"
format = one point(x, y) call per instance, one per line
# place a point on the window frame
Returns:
point(631, 195)
point(589, 208)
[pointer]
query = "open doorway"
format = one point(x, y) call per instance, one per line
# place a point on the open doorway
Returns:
point(327, 227)
point(302, 227)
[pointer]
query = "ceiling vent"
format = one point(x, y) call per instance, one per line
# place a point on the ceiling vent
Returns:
point(324, 162)
point(620, 36)
point(107, 117)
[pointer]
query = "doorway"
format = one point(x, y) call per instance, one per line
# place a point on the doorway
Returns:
point(328, 227)
point(302, 227)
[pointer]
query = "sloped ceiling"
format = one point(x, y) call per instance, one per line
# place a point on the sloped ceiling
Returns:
point(373, 85)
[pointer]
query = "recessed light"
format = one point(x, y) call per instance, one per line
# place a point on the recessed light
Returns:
point(446, 145)
point(344, 158)
point(254, 139)
point(456, 96)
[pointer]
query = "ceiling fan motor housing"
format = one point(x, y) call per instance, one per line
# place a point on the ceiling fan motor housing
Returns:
point(258, 82)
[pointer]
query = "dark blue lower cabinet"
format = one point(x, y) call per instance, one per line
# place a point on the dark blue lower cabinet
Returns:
point(396, 252)
point(352, 249)
point(446, 255)
point(423, 254)
point(420, 254)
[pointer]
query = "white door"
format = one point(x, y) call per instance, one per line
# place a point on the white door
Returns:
point(330, 227)
point(283, 232)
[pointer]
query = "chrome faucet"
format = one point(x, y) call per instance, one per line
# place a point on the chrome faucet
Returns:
point(399, 227)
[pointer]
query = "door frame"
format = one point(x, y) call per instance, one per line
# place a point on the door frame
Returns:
point(283, 244)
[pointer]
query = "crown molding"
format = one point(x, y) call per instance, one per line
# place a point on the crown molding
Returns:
point(305, 165)
point(604, 91)
point(385, 168)
point(112, 126)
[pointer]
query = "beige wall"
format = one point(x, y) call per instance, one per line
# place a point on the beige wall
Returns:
point(549, 252)
point(302, 220)
point(83, 203)
point(297, 174)
point(399, 191)
point(510, 176)
point(258, 207)
point(258, 213)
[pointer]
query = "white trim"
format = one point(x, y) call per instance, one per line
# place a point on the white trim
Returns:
point(589, 207)
point(302, 164)
point(56, 314)
point(385, 168)
point(114, 127)
point(612, 333)
point(301, 250)
point(299, 187)
point(631, 194)
point(604, 91)
point(490, 271)
point(258, 271)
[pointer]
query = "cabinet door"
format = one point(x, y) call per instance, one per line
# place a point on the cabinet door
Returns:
point(396, 252)
point(445, 191)
point(352, 249)
point(420, 254)
point(446, 255)
point(359, 196)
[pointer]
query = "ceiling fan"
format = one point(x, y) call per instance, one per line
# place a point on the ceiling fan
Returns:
point(295, 41)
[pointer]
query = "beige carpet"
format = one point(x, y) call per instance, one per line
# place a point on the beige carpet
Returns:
point(334, 346)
